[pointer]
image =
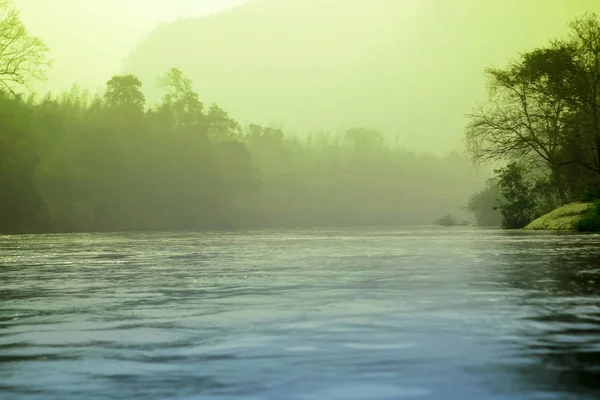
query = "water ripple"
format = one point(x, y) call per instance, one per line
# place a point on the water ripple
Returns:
point(307, 314)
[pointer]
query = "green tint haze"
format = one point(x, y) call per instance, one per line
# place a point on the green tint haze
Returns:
point(411, 68)
point(286, 113)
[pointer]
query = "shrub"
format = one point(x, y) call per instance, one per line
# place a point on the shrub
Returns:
point(518, 207)
point(590, 222)
point(591, 194)
point(485, 206)
point(446, 220)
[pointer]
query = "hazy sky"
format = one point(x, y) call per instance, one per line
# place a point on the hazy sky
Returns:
point(101, 32)
point(439, 51)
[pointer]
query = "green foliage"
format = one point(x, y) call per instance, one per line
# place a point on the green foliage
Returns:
point(591, 221)
point(543, 112)
point(180, 99)
point(81, 163)
point(21, 206)
point(518, 205)
point(125, 92)
point(591, 194)
point(77, 162)
point(544, 192)
point(485, 206)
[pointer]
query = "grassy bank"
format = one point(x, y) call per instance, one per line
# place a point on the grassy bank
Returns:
point(565, 218)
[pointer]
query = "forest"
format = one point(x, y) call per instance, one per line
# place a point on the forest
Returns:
point(112, 161)
point(541, 127)
point(82, 162)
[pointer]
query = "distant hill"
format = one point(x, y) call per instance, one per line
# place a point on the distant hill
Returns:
point(412, 67)
point(89, 39)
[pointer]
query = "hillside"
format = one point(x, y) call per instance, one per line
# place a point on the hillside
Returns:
point(89, 39)
point(409, 68)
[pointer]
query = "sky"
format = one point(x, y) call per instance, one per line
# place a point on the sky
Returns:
point(101, 32)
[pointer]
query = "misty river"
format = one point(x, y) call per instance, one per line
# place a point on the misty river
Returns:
point(420, 313)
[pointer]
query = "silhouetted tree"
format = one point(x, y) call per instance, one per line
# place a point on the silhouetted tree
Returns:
point(485, 206)
point(518, 205)
point(124, 91)
point(181, 99)
point(543, 113)
point(22, 57)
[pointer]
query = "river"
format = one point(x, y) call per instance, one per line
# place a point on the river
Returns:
point(374, 314)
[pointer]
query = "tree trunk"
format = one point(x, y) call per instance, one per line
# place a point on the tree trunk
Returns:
point(560, 185)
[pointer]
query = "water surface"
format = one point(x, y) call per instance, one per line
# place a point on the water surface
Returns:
point(307, 314)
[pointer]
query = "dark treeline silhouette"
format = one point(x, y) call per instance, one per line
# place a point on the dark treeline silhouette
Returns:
point(542, 122)
point(78, 162)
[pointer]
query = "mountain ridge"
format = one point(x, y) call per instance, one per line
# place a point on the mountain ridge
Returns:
point(331, 64)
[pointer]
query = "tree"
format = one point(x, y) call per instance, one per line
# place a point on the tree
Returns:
point(181, 99)
point(582, 90)
point(364, 140)
point(21, 207)
point(523, 119)
point(484, 206)
point(544, 111)
point(518, 206)
point(124, 91)
point(22, 57)
point(220, 125)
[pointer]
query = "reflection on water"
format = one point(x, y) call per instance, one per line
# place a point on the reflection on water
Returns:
point(559, 339)
point(340, 314)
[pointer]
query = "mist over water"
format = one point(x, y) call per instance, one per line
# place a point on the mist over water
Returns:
point(235, 200)
point(301, 314)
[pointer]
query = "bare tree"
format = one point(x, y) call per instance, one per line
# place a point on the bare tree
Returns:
point(583, 89)
point(543, 110)
point(22, 57)
point(520, 121)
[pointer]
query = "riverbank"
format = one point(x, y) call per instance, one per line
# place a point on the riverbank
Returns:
point(562, 219)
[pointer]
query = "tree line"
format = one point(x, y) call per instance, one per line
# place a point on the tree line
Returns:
point(78, 162)
point(541, 126)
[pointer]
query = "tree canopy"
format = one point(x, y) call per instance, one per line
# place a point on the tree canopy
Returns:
point(542, 117)
point(77, 162)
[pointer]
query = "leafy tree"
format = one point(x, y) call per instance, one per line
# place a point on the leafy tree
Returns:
point(220, 125)
point(181, 99)
point(124, 91)
point(582, 90)
point(522, 120)
point(485, 206)
point(518, 205)
point(364, 140)
point(22, 57)
point(543, 113)
point(21, 207)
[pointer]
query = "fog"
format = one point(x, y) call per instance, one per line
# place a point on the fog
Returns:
point(269, 113)
point(303, 199)
point(90, 40)
point(412, 68)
